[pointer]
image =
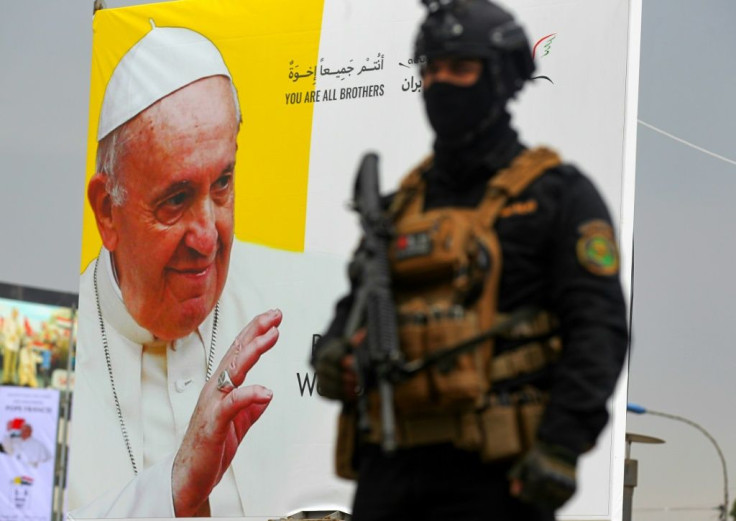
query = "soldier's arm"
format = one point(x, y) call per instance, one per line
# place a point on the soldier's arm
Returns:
point(333, 357)
point(587, 296)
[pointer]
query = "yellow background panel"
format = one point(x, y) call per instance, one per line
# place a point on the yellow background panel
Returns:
point(258, 40)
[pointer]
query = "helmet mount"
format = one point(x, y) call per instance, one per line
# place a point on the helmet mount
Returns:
point(477, 29)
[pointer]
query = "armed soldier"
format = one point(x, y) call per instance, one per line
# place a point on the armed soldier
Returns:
point(482, 229)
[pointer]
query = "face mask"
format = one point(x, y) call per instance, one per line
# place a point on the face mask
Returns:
point(455, 112)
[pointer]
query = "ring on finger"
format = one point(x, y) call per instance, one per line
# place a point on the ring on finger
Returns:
point(224, 383)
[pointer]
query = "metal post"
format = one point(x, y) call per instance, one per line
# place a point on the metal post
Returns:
point(66, 402)
point(638, 409)
point(631, 471)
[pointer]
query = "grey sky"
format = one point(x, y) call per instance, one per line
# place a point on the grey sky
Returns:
point(683, 355)
point(682, 361)
point(45, 50)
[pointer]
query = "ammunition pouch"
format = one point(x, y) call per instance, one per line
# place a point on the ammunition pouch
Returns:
point(503, 429)
point(498, 426)
point(439, 251)
point(459, 383)
point(510, 423)
point(464, 380)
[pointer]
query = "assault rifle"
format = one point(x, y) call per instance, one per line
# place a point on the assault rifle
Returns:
point(374, 304)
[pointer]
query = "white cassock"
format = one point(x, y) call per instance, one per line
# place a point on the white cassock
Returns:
point(279, 468)
point(158, 384)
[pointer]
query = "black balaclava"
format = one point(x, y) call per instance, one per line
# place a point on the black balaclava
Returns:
point(474, 135)
point(456, 113)
point(460, 166)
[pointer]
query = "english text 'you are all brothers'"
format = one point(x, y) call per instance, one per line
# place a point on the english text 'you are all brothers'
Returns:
point(343, 93)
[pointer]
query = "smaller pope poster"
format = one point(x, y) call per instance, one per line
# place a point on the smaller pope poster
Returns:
point(28, 431)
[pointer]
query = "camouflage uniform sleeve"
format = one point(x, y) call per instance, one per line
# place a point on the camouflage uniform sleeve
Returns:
point(587, 296)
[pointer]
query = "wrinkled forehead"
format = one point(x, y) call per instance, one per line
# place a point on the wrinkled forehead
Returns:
point(208, 101)
point(189, 137)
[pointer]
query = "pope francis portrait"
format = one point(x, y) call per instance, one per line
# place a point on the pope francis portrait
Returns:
point(160, 408)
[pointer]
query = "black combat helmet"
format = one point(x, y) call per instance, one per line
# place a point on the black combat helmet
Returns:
point(477, 29)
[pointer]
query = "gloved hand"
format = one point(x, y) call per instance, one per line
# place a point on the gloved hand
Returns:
point(335, 374)
point(545, 476)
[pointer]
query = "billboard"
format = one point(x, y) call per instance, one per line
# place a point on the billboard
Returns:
point(317, 83)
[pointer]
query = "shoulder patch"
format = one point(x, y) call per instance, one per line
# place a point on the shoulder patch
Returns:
point(596, 248)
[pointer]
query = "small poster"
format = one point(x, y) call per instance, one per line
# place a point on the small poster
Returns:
point(28, 431)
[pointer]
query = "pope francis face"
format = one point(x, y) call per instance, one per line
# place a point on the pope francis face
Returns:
point(171, 235)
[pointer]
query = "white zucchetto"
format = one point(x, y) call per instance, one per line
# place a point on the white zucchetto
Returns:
point(163, 61)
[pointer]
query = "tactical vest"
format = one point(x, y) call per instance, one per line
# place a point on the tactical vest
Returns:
point(446, 267)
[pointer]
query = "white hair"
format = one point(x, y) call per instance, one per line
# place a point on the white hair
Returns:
point(109, 150)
